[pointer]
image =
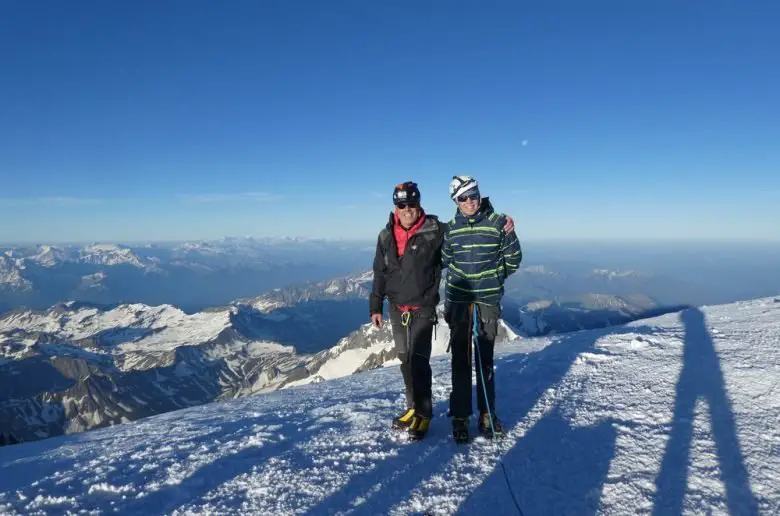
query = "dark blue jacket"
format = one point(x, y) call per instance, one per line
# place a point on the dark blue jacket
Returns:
point(479, 256)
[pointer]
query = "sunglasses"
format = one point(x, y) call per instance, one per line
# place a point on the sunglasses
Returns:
point(464, 198)
point(404, 205)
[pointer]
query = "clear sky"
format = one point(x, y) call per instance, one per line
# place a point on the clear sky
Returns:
point(150, 120)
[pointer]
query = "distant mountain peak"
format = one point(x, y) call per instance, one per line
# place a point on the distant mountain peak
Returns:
point(110, 254)
point(50, 256)
point(354, 286)
point(611, 274)
point(538, 270)
point(11, 274)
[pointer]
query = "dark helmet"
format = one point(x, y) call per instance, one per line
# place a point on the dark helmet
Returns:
point(406, 193)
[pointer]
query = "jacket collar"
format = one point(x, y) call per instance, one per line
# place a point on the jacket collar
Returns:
point(430, 224)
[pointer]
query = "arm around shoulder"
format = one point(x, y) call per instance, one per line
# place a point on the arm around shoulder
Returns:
point(513, 253)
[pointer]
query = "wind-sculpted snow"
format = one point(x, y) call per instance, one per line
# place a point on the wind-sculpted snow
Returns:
point(672, 415)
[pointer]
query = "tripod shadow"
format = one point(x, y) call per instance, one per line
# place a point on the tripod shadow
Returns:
point(701, 377)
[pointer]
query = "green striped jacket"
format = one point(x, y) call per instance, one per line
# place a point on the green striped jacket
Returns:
point(479, 256)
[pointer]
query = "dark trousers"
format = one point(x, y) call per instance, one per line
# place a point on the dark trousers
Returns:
point(413, 344)
point(459, 316)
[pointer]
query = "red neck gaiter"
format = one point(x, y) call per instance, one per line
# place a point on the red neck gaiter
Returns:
point(403, 235)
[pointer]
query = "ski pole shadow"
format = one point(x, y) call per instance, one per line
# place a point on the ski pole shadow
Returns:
point(521, 380)
point(702, 377)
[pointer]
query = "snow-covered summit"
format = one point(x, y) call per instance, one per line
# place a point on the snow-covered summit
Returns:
point(612, 274)
point(50, 256)
point(124, 328)
point(110, 254)
point(11, 275)
point(539, 270)
point(355, 286)
point(676, 414)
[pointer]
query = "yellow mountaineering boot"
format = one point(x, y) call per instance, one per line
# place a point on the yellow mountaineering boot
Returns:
point(404, 420)
point(419, 427)
point(488, 430)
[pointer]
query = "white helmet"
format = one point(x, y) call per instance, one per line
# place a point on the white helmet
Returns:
point(461, 185)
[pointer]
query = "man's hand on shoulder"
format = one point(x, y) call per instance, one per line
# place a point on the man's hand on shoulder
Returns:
point(509, 226)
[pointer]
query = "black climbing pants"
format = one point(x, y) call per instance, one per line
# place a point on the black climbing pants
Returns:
point(459, 316)
point(413, 344)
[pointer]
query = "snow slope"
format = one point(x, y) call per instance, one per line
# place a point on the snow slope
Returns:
point(675, 414)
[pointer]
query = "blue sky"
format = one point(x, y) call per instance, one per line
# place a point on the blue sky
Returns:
point(127, 121)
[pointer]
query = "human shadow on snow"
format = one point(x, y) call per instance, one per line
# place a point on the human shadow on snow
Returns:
point(555, 475)
point(701, 377)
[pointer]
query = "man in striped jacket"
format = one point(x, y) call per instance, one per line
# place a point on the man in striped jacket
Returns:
point(479, 256)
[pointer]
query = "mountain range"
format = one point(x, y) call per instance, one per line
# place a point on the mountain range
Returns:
point(78, 366)
point(198, 275)
point(671, 415)
point(190, 275)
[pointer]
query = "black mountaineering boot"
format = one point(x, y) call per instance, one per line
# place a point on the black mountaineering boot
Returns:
point(460, 429)
point(403, 421)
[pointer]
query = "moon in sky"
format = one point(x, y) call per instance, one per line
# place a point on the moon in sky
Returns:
point(525, 142)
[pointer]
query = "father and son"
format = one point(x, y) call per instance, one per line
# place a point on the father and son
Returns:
point(480, 250)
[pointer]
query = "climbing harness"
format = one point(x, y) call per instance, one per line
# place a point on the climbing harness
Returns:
point(406, 318)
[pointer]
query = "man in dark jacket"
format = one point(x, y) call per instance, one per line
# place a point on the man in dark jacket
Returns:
point(480, 257)
point(407, 270)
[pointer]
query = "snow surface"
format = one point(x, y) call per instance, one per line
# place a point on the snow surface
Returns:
point(670, 415)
